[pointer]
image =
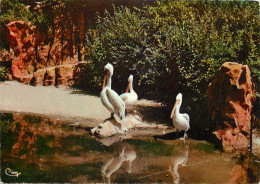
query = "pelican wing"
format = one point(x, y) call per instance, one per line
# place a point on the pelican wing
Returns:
point(105, 101)
point(186, 116)
point(124, 96)
point(116, 102)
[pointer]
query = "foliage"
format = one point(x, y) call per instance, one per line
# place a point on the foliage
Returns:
point(205, 147)
point(124, 40)
point(3, 74)
point(13, 10)
point(202, 37)
point(6, 121)
point(176, 46)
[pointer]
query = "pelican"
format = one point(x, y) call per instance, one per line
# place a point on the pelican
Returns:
point(109, 97)
point(180, 121)
point(129, 98)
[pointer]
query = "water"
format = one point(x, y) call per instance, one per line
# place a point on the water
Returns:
point(47, 150)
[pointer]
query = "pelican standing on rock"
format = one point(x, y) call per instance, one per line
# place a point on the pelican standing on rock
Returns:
point(180, 121)
point(109, 97)
point(131, 97)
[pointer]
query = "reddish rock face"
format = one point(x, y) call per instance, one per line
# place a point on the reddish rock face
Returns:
point(32, 53)
point(21, 43)
point(231, 97)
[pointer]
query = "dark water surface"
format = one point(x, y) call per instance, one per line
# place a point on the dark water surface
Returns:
point(47, 150)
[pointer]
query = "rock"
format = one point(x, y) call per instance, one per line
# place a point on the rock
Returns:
point(64, 75)
point(230, 99)
point(61, 75)
point(32, 51)
point(22, 45)
point(38, 77)
point(49, 78)
point(105, 129)
point(132, 121)
point(26, 79)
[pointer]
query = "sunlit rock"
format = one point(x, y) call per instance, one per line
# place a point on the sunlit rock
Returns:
point(38, 77)
point(105, 129)
point(230, 100)
point(64, 75)
point(112, 127)
point(49, 78)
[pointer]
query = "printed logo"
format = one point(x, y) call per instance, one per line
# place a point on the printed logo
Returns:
point(9, 172)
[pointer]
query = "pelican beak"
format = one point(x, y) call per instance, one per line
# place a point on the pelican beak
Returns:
point(174, 107)
point(104, 81)
point(128, 87)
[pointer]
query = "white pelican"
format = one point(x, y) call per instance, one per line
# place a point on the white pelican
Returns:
point(180, 121)
point(109, 97)
point(129, 98)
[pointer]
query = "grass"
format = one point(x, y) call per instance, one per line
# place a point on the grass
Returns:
point(153, 148)
point(205, 147)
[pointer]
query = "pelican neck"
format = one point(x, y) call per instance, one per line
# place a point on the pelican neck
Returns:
point(131, 86)
point(178, 107)
point(109, 80)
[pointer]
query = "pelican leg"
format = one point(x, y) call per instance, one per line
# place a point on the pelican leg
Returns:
point(111, 117)
point(176, 136)
point(183, 138)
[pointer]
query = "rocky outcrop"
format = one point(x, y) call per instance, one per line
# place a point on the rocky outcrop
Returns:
point(49, 77)
point(230, 100)
point(64, 75)
point(21, 44)
point(38, 77)
point(61, 75)
point(31, 52)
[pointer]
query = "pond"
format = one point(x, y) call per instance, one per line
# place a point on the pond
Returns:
point(44, 150)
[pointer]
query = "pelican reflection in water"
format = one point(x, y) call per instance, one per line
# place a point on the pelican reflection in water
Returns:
point(176, 162)
point(124, 153)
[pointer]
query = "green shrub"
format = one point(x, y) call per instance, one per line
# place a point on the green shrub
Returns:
point(202, 37)
point(176, 46)
point(3, 74)
point(125, 40)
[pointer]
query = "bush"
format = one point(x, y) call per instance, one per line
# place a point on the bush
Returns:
point(176, 46)
point(125, 40)
point(3, 74)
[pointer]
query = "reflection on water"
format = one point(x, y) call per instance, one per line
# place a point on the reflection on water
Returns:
point(124, 153)
point(47, 150)
point(176, 162)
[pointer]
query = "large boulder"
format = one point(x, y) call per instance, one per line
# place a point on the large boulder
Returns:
point(61, 75)
point(50, 77)
point(64, 75)
point(230, 99)
point(38, 77)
